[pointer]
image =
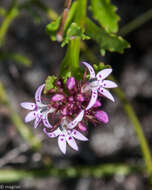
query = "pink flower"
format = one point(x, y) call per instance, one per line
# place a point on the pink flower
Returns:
point(39, 111)
point(97, 84)
point(66, 135)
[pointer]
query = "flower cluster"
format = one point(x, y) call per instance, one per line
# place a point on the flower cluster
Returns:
point(70, 106)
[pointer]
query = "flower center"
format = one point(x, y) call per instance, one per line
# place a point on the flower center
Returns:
point(93, 82)
point(44, 109)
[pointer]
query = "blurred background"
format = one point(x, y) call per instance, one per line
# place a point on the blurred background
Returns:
point(27, 57)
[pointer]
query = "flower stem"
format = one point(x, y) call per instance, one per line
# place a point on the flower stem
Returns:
point(71, 59)
point(136, 23)
point(10, 15)
point(137, 127)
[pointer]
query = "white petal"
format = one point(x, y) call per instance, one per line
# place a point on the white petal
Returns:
point(75, 122)
point(106, 93)
point(76, 134)
point(38, 94)
point(109, 84)
point(30, 116)
point(46, 122)
point(28, 105)
point(53, 134)
point(62, 144)
point(103, 74)
point(37, 121)
point(90, 68)
point(71, 142)
point(93, 99)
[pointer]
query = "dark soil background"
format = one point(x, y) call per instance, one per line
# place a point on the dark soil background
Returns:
point(114, 143)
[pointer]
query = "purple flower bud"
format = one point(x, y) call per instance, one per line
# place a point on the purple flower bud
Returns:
point(70, 83)
point(82, 127)
point(80, 97)
point(57, 97)
point(71, 98)
point(97, 104)
point(58, 83)
point(102, 116)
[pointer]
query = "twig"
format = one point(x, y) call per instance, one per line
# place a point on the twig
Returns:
point(60, 33)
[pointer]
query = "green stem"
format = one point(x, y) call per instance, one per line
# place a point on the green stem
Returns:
point(71, 60)
point(9, 17)
point(24, 130)
point(137, 127)
point(136, 23)
point(9, 175)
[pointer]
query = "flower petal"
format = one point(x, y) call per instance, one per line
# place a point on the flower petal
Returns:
point(30, 116)
point(62, 144)
point(70, 83)
point(75, 122)
point(93, 99)
point(102, 116)
point(103, 74)
point(76, 134)
point(91, 70)
point(106, 93)
point(46, 122)
point(70, 140)
point(38, 94)
point(37, 121)
point(109, 84)
point(28, 105)
point(53, 134)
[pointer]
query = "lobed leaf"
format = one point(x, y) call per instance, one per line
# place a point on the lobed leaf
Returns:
point(105, 13)
point(106, 41)
point(52, 28)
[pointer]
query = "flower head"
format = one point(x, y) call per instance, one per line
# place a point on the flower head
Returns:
point(69, 107)
point(97, 83)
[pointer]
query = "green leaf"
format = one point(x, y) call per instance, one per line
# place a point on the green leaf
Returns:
point(50, 83)
point(74, 31)
point(16, 57)
point(106, 41)
point(105, 13)
point(52, 28)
